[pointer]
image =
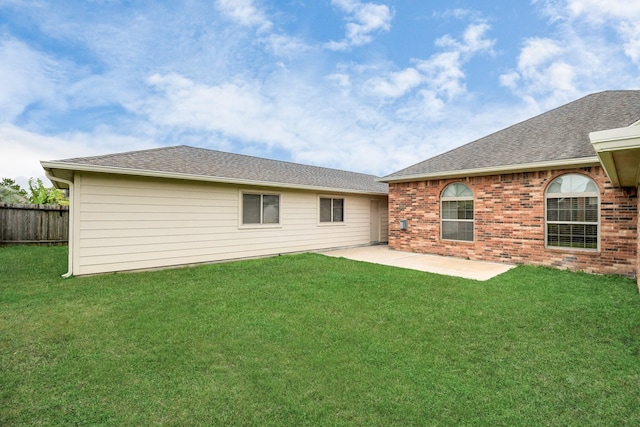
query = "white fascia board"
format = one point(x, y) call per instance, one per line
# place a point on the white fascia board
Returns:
point(497, 170)
point(616, 139)
point(191, 177)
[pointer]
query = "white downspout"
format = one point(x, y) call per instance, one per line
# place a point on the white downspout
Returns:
point(69, 273)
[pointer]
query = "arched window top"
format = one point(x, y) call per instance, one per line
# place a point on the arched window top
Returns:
point(572, 183)
point(458, 190)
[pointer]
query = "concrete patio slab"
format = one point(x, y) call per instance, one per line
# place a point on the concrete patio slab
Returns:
point(381, 254)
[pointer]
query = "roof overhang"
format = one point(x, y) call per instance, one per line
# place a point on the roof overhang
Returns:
point(67, 170)
point(498, 170)
point(619, 152)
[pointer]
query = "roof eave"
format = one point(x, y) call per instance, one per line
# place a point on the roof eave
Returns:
point(73, 167)
point(497, 170)
point(619, 152)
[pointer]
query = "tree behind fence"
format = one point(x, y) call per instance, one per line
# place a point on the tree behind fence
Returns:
point(33, 224)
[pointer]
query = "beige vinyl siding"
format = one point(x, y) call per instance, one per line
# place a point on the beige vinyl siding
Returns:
point(127, 223)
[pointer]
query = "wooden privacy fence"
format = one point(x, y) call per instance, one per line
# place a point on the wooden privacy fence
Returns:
point(33, 224)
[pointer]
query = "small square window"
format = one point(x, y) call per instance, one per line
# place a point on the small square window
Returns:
point(260, 209)
point(331, 209)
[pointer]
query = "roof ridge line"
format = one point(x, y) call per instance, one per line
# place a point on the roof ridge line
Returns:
point(279, 161)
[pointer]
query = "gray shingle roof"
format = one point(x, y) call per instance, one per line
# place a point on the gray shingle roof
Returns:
point(557, 135)
point(199, 162)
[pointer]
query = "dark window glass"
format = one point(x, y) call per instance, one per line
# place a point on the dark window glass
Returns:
point(331, 210)
point(260, 209)
point(251, 208)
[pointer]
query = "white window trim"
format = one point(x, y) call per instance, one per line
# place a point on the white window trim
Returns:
point(242, 226)
point(344, 211)
point(569, 195)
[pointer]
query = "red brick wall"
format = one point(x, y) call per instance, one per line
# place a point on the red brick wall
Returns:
point(509, 222)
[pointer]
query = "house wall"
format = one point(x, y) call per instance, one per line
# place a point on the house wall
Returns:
point(510, 222)
point(126, 223)
point(384, 219)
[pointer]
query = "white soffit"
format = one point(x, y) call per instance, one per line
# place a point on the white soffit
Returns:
point(619, 153)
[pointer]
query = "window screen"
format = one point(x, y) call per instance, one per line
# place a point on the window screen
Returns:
point(260, 209)
point(331, 209)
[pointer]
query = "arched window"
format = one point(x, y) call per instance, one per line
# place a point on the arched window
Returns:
point(457, 212)
point(572, 212)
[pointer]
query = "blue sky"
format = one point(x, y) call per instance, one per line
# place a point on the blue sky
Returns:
point(364, 86)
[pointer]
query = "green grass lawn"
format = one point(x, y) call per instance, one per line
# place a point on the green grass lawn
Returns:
point(313, 340)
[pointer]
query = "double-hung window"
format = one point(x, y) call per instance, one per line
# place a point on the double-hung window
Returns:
point(260, 208)
point(331, 210)
point(457, 212)
point(572, 212)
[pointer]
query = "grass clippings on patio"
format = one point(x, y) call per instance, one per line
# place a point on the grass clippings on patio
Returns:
point(314, 340)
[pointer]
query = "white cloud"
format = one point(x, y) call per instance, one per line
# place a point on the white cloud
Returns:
point(23, 150)
point(363, 19)
point(29, 77)
point(442, 74)
point(622, 16)
point(397, 84)
point(342, 80)
point(285, 46)
point(630, 33)
point(245, 13)
point(314, 123)
point(333, 122)
point(537, 52)
point(473, 39)
point(579, 56)
point(543, 71)
point(597, 11)
point(235, 109)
